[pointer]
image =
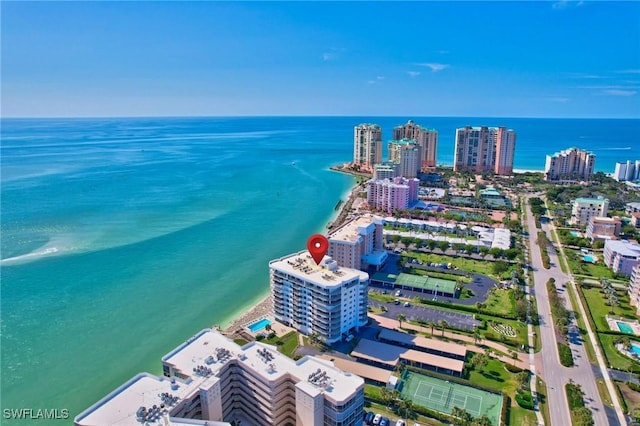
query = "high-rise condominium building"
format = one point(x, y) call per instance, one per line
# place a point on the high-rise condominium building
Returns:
point(426, 138)
point(211, 380)
point(482, 149)
point(584, 209)
point(367, 145)
point(634, 288)
point(628, 171)
point(324, 299)
point(359, 244)
point(391, 195)
point(406, 154)
point(570, 164)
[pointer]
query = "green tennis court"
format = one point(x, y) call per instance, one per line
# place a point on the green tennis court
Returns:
point(420, 282)
point(441, 395)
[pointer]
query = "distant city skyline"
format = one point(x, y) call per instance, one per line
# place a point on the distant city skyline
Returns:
point(565, 59)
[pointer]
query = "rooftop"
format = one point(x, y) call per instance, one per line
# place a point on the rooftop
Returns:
point(363, 370)
point(327, 273)
point(423, 342)
point(352, 230)
point(584, 200)
point(623, 247)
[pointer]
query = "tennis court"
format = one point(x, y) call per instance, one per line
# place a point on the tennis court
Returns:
point(417, 282)
point(441, 395)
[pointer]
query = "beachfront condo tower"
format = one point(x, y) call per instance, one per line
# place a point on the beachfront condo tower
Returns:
point(324, 300)
point(367, 145)
point(359, 244)
point(211, 381)
point(426, 138)
point(390, 195)
point(572, 164)
point(484, 149)
point(406, 153)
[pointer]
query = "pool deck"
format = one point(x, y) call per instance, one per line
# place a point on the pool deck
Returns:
point(612, 321)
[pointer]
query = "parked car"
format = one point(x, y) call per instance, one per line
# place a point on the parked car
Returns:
point(385, 421)
point(406, 304)
point(398, 293)
point(401, 422)
point(368, 417)
point(396, 302)
point(376, 419)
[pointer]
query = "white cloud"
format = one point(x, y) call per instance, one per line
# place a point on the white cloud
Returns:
point(377, 80)
point(618, 92)
point(333, 53)
point(564, 4)
point(435, 67)
point(413, 73)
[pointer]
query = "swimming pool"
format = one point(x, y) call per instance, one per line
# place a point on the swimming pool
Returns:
point(636, 350)
point(589, 258)
point(574, 233)
point(625, 328)
point(259, 325)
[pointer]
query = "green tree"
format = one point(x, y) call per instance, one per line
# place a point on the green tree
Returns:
point(482, 421)
point(480, 361)
point(500, 267)
point(462, 416)
point(400, 318)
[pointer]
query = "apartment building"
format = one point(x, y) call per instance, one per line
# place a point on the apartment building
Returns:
point(323, 299)
point(482, 149)
point(210, 380)
point(632, 208)
point(627, 171)
point(426, 138)
point(406, 154)
point(570, 164)
point(585, 208)
point(391, 195)
point(367, 145)
point(634, 288)
point(603, 228)
point(621, 256)
point(359, 244)
point(387, 170)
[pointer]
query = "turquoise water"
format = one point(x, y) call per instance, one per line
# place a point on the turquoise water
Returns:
point(574, 233)
point(624, 327)
point(635, 349)
point(589, 258)
point(259, 325)
point(121, 238)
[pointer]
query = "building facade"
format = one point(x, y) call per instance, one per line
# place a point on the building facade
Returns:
point(359, 244)
point(391, 195)
point(387, 170)
point(630, 208)
point(634, 288)
point(570, 165)
point(406, 154)
point(484, 149)
point(585, 208)
point(627, 171)
point(621, 256)
point(324, 299)
point(210, 378)
point(426, 138)
point(603, 228)
point(367, 145)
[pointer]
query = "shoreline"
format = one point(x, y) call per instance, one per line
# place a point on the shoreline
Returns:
point(264, 307)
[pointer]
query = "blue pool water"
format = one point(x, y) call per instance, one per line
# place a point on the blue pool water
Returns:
point(574, 233)
point(625, 328)
point(589, 258)
point(635, 349)
point(257, 326)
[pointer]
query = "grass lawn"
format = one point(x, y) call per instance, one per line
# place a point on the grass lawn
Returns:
point(519, 327)
point(494, 376)
point(521, 416)
point(462, 263)
point(442, 275)
point(287, 344)
point(501, 302)
point(581, 324)
point(615, 358)
point(579, 267)
point(599, 309)
point(604, 392)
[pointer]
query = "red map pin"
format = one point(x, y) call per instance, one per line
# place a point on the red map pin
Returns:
point(317, 245)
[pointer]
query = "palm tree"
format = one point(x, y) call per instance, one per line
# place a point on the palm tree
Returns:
point(432, 324)
point(463, 418)
point(514, 356)
point(443, 324)
point(400, 318)
point(477, 336)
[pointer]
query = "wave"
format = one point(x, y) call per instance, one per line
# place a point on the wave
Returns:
point(624, 148)
point(30, 256)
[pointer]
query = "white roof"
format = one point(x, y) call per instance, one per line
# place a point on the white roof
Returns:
point(302, 266)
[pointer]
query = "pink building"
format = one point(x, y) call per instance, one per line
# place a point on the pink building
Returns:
point(621, 256)
point(389, 196)
point(603, 228)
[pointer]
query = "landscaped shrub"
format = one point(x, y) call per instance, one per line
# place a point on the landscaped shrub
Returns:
point(566, 358)
point(525, 400)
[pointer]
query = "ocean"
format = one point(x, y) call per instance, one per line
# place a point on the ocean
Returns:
point(123, 237)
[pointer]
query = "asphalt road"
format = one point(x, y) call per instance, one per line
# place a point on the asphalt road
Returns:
point(554, 374)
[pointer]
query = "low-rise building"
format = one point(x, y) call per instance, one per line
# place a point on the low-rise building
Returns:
point(586, 208)
point(632, 208)
point(323, 299)
point(634, 289)
point(210, 380)
point(621, 256)
point(359, 244)
point(635, 219)
point(603, 228)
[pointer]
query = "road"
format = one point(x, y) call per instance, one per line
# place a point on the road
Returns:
point(548, 362)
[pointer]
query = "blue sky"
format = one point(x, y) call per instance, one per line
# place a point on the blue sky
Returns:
point(488, 59)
